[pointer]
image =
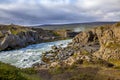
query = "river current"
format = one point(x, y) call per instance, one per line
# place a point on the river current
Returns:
point(26, 57)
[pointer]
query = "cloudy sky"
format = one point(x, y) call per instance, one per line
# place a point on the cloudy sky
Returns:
point(32, 12)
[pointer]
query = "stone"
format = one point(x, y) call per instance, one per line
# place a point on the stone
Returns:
point(54, 47)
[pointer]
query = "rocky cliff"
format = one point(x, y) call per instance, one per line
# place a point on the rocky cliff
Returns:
point(108, 37)
point(99, 46)
point(14, 36)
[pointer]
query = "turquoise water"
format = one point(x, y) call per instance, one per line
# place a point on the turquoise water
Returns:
point(26, 57)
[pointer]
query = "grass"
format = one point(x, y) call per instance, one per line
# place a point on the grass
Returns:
point(115, 62)
point(17, 31)
point(65, 72)
point(8, 72)
point(82, 76)
point(81, 72)
point(77, 72)
point(14, 29)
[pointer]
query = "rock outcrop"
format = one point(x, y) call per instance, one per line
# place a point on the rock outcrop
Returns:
point(97, 45)
point(109, 39)
point(14, 36)
point(66, 33)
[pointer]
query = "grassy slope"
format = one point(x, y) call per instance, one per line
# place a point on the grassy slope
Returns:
point(8, 72)
point(74, 72)
point(82, 72)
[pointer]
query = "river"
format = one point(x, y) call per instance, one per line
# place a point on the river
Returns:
point(26, 57)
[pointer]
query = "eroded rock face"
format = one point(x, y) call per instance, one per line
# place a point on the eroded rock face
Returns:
point(85, 37)
point(107, 36)
point(17, 41)
point(13, 36)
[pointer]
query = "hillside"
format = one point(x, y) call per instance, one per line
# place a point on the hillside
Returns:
point(8, 72)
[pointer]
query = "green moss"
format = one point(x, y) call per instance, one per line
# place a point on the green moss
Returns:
point(112, 45)
point(75, 55)
point(85, 52)
point(115, 62)
point(17, 31)
point(56, 34)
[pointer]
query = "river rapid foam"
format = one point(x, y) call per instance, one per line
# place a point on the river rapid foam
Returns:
point(26, 57)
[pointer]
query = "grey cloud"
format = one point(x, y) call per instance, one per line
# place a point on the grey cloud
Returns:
point(38, 13)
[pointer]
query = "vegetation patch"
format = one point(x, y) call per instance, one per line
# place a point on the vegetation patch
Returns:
point(115, 62)
point(85, 52)
point(8, 72)
point(112, 45)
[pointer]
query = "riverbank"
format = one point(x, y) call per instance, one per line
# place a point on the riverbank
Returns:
point(26, 57)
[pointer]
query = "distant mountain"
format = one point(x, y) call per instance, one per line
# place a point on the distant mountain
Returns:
point(72, 26)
